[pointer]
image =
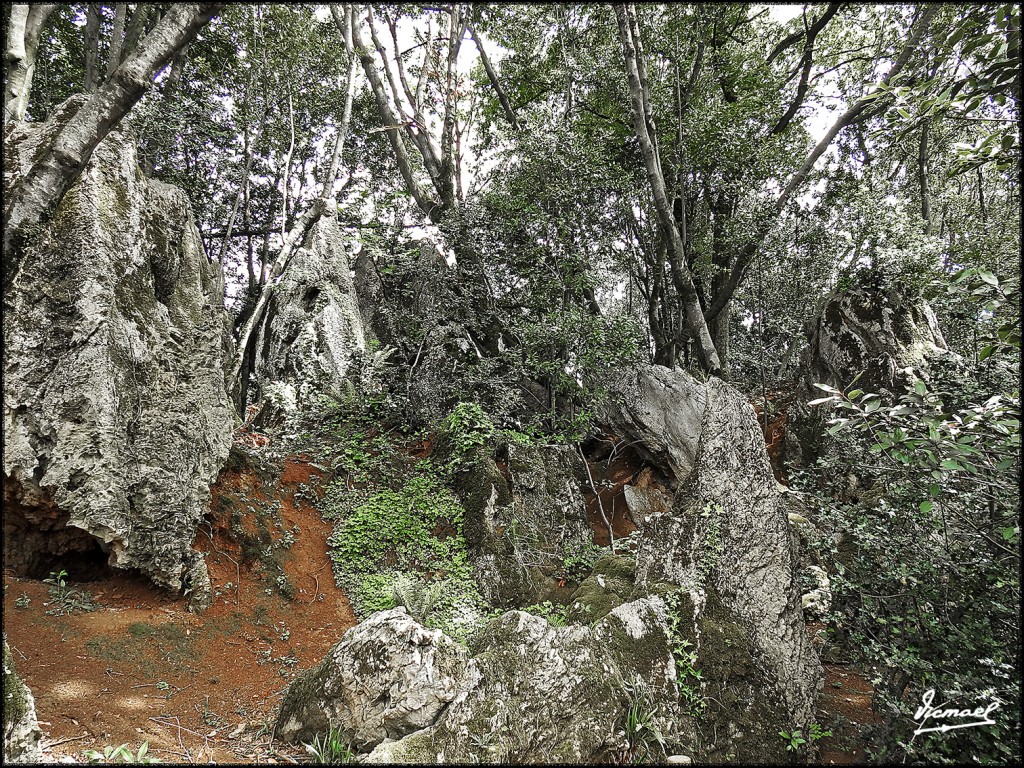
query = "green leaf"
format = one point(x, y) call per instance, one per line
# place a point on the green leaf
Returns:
point(988, 277)
point(925, 506)
point(920, 387)
point(950, 464)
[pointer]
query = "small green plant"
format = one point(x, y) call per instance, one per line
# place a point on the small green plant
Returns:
point(690, 679)
point(468, 426)
point(556, 615)
point(645, 739)
point(330, 749)
point(23, 600)
point(795, 740)
point(65, 599)
point(122, 752)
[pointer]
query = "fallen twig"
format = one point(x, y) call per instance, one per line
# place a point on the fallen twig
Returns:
point(48, 745)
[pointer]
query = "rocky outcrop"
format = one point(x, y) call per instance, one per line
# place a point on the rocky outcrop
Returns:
point(662, 410)
point(727, 532)
point(531, 692)
point(21, 731)
point(388, 677)
point(116, 419)
point(882, 338)
point(312, 333)
point(522, 525)
point(877, 333)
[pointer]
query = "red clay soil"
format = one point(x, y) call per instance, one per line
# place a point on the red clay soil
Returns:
point(609, 475)
point(198, 688)
point(844, 709)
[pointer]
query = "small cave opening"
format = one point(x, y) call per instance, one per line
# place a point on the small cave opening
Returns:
point(81, 565)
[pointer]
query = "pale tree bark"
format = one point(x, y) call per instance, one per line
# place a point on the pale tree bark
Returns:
point(492, 76)
point(116, 37)
point(391, 121)
point(136, 29)
point(643, 125)
point(92, 46)
point(55, 169)
point(23, 34)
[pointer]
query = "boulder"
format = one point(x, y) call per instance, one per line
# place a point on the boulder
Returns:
point(312, 334)
point(661, 410)
point(116, 419)
point(551, 694)
point(727, 531)
point(884, 336)
point(21, 731)
point(388, 677)
point(522, 525)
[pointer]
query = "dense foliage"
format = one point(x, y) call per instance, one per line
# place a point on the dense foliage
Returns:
point(498, 172)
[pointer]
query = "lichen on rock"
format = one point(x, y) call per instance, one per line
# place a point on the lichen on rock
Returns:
point(116, 419)
point(21, 731)
point(312, 336)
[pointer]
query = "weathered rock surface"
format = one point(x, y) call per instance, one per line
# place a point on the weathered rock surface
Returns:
point(883, 335)
point(386, 678)
point(312, 333)
point(116, 419)
point(531, 693)
point(727, 530)
point(521, 530)
point(662, 410)
point(21, 731)
point(878, 331)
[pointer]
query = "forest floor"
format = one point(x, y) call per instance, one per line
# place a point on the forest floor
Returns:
point(197, 688)
point(203, 688)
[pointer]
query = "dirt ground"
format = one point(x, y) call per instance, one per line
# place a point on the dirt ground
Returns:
point(198, 688)
point(203, 688)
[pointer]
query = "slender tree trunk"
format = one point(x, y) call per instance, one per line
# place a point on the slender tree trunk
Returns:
point(41, 188)
point(23, 33)
point(116, 37)
point(492, 76)
point(237, 383)
point(136, 29)
point(922, 179)
point(643, 122)
point(92, 46)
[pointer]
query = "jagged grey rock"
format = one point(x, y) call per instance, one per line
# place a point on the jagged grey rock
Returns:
point(661, 410)
point(551, 694)
point(386, 678)
point(21, 730)
point(728, 528)
point(312, 333)
point(116, 419)
point(520, 531)
point(884, 336)
point(879, 332)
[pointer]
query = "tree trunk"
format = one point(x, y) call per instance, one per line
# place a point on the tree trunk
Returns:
point(23, 32)
point(922, 179)
point(116, 37)
point(643, 123)
point(41, 188)
point(92, 46)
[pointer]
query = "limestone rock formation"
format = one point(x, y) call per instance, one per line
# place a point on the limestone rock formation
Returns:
point(530, 693)
point(386, 678)
point(727, 531)
point(21, 731)
point(520, 530)
point(878, 331)
point(116, 419)
point(312, 333)
point(883, 335)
